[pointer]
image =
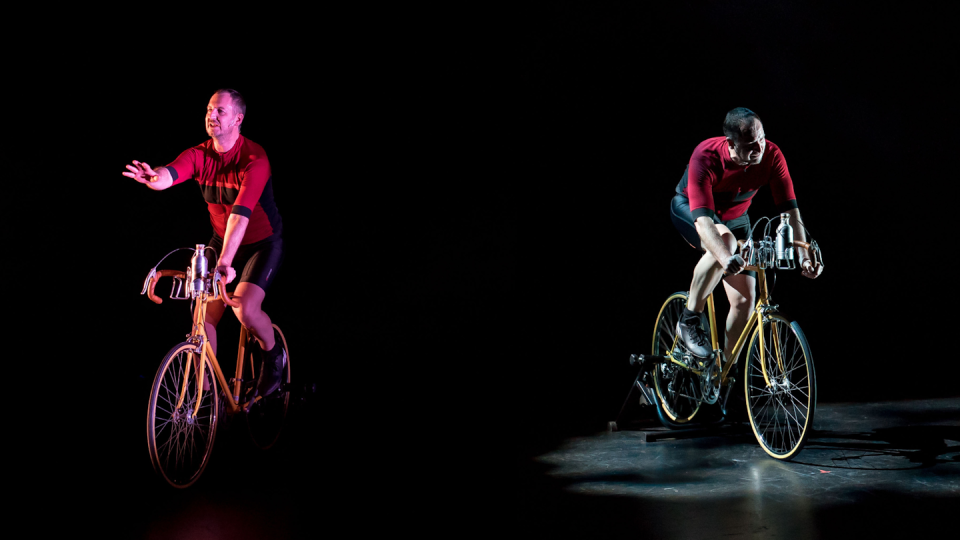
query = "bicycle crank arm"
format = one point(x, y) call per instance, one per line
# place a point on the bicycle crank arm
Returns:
point(297, 392)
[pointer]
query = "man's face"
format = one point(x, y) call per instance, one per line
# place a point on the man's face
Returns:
point(748, 150)
point(222, 120)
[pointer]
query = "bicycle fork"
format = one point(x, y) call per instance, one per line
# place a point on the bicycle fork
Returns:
point(199, 381)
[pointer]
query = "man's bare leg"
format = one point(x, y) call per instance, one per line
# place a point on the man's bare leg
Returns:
point(742, 293)
point(707, 273)
point(706, 276)
point(214, 313)
point(251, 316)
point(258, 323)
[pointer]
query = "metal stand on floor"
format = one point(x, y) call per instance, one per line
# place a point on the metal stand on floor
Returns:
point(649, 426)
point(644, 397)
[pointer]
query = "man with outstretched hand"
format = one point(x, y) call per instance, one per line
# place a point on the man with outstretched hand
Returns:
point(234, 176)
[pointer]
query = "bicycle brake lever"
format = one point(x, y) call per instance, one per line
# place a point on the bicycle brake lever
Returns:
point(216, 280)
point(146, 282)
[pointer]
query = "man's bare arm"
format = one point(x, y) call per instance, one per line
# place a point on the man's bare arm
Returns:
point(810, 269)
point(236, 226)
point(711, 241)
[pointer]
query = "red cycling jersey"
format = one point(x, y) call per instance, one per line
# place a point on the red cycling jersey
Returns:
point(716, 185)
point(237, 181)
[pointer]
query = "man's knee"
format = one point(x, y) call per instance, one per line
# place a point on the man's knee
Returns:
point(247, 313)
point(212, 318)
point(742, 304)
point(731, 241)
point(244, 315)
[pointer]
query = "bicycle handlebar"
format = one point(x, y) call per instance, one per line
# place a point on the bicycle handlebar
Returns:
point(796, 243)
point(155, 276)
point(222, 285)
point(763, 254)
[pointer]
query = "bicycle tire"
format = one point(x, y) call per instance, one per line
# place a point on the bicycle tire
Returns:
point(180, 446)
point(781, 413)
point(266, 418)
point(673, 409)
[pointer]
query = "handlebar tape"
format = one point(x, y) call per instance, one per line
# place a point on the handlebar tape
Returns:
point(162, 273)
point(222, 285)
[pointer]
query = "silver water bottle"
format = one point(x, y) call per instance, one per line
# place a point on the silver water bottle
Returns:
point(198, 270)
point(785, 251)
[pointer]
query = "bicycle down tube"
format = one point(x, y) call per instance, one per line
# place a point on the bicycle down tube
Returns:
point(205, 349)
point(748, 330)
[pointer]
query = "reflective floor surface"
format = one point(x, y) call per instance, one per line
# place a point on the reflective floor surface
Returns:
point(867, 469)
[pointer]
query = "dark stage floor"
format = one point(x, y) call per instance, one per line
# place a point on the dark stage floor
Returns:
point(870, 468)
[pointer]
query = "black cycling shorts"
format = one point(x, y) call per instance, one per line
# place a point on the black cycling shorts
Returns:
point(255, 263)
point(683, 221)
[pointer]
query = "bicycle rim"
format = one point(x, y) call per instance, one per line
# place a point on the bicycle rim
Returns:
point(781, 399)
point(179, 443)
point(672, 384)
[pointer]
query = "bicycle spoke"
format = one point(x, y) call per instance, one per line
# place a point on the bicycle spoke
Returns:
point(798, 403)
point(781, 407)
point(789, 421)
point(762, 412)
point(180, 441)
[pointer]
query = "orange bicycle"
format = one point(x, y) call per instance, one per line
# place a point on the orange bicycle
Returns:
point(186, 401)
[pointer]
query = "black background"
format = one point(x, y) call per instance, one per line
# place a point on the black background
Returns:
point(475, 203)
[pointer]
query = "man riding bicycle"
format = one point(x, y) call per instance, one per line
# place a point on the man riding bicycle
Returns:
point(710, 211)
point(234, 175)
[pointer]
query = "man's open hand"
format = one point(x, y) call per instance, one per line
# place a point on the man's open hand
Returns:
point(141, 172)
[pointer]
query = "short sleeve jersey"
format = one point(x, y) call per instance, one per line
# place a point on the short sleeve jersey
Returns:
point(234, 182)
point(717, 186)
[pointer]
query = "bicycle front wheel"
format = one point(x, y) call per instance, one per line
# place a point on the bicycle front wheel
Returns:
point(781, 387)
point(674, 386)
point(180, 443)
point(266, 417)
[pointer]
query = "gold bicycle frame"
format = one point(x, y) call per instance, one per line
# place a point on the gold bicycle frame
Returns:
point(756, 318)
point(199, 333)
point(763, 304)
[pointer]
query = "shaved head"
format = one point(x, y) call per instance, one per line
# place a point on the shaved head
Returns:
point(738, 123)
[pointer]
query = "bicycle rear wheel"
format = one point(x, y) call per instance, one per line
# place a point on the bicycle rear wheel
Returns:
point(180, 443)
point(266, 417)
point(782, 398)
point(673, 385)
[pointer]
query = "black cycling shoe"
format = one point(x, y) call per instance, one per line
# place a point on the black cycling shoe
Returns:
point(271, 374)
point(694, 339)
